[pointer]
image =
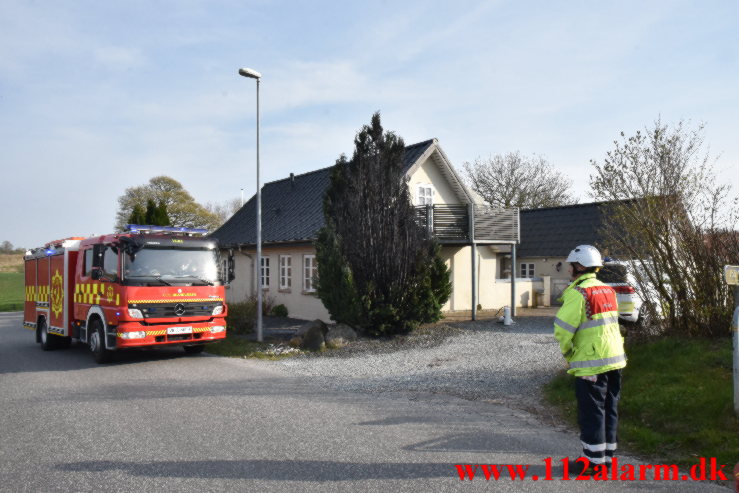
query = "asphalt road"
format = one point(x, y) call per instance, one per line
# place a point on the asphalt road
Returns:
point(163, 421)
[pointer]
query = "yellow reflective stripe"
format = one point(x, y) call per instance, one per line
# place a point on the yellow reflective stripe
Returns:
point(626, 307)
point(31, 293)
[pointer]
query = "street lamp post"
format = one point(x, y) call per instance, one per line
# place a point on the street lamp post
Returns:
point(253, 74)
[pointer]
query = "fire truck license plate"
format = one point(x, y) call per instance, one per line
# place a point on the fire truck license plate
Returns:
point(179, 330)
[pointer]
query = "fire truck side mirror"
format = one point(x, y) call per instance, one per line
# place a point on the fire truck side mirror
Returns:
point(97, 256)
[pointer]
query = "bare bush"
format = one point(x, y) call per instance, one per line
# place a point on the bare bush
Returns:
point(675, 221)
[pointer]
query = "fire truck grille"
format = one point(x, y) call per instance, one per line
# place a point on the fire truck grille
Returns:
point(167, 310)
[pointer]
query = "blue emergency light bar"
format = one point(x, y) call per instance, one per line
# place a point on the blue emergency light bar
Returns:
point(140, 228)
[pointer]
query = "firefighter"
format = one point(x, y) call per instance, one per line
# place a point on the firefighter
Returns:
point(590, 339)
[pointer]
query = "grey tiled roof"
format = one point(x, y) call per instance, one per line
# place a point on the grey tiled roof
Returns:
point(292, 209)
point(555, 231)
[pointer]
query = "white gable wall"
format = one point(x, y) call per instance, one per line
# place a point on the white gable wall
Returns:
point(429, 173)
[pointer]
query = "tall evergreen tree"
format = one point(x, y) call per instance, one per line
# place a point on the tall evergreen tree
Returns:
point(162, 216)
point(138, 216)
point(150, 217)
point(377, 268)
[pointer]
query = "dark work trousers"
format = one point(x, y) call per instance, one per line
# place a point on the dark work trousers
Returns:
point(597, 415)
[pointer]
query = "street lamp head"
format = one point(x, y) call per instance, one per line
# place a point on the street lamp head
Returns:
point(252, 74)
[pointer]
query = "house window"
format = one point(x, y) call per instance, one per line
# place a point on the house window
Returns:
point(264, 275)
point(527, 270)
point(285, 271)
point(425, 195)
point(310, 273)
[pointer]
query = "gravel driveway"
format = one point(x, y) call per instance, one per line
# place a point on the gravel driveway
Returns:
point(480, 360)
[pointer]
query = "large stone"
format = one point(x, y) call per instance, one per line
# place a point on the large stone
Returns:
point(340, 335)
point(312, 335)
point(310, 326)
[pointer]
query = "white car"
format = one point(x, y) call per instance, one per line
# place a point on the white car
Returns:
point(619, 275)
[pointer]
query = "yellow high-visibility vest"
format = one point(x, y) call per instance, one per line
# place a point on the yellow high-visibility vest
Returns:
point(587, 327)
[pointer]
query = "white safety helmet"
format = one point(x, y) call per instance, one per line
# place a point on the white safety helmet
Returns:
point(586, 255)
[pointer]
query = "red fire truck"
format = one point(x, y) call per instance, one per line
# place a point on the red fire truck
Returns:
point(149, 286)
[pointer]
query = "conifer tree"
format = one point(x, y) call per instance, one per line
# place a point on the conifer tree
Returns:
point(138, 216)
point(162, 216)
point(377, 268)
point(150, 217)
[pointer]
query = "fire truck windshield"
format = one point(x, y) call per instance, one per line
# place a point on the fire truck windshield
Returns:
point(171, 266)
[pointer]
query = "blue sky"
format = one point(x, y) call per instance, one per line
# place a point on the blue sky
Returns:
point(98, 96)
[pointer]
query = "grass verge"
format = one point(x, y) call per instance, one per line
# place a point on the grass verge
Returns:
point(676, 402)
point(12, 291)
point(238, 346)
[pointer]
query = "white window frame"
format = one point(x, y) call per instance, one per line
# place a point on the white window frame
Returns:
point(528, 270)
point(310, 273)
point(425, 194)
point(285, 271)
point(264, 272)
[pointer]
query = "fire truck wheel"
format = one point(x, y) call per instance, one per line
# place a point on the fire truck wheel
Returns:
point(97, 343)
point(194, 349)
point(48, 341)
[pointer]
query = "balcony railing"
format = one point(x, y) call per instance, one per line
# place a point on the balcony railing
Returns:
point(469, 223)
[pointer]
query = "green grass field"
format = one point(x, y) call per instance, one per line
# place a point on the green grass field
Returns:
point(676, 404)
point(12, 291)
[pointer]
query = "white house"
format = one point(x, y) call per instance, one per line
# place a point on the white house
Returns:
point(472, 235)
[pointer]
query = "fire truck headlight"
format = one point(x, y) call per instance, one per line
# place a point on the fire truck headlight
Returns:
point(135, 313)
point(133, 335)
point(218, 328)
point(218, 310)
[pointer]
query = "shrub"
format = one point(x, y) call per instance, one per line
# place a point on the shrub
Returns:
point(242, 315)
point(279, 311)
